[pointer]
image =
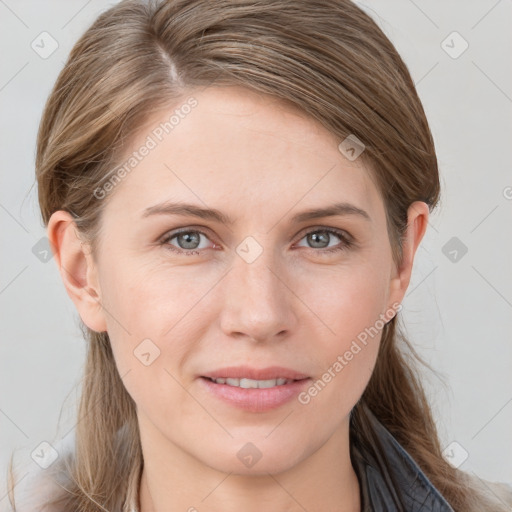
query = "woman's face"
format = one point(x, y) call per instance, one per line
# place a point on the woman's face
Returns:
point(270, 288)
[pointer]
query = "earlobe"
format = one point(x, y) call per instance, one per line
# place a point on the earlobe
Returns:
point(77, 269)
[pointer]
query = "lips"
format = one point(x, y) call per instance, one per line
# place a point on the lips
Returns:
point(252, 389)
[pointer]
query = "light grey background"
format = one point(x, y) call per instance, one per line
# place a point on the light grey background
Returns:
point(458, 313)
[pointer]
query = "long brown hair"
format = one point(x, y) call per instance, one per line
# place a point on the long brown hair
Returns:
point(329, 59)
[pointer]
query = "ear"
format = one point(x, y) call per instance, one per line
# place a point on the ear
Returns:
point(77, 269)
point(417, 221)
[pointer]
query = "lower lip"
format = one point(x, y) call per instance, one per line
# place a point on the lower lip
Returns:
point(255, 399)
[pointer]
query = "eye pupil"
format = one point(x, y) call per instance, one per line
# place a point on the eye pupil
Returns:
point(317, 237)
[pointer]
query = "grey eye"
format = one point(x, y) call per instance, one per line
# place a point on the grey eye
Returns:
point(319, 239)
point(188, 239)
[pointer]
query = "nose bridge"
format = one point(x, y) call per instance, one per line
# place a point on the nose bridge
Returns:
point(257, 302)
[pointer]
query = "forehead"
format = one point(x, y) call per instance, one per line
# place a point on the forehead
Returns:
point(235, 149)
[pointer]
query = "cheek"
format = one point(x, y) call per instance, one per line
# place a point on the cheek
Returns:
point(154, 316)
point(149, 301)
point(349, 304)
point(150, 326)
point(351, 308)
point(346, 301)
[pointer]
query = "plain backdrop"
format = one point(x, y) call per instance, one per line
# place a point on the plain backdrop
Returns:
point(458, 306)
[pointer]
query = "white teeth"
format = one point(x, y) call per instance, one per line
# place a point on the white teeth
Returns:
point(251, 383)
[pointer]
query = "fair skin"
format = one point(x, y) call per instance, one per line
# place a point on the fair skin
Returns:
point(297, 306)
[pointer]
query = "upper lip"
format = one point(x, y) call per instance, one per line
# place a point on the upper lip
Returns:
point(240, 372)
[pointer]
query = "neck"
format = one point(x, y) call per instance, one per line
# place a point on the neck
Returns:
point(325, 480)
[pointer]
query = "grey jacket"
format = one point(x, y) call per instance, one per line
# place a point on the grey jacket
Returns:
point(378, 493)
point(377, 489)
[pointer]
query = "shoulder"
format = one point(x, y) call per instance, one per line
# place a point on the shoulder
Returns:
point(37, 488)
point(498, 494)
point(413, 485)
point(34, 493)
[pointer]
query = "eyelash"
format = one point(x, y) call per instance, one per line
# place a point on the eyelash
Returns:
point(346, 243)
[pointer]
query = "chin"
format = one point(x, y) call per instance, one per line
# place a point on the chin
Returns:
point(256, 458)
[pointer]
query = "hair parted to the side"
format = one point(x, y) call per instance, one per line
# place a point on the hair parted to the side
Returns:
point(329, 59)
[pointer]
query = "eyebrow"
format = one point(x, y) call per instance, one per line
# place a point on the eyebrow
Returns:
point(169, 208)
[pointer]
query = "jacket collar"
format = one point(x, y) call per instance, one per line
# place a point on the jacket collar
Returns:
point(378, 494)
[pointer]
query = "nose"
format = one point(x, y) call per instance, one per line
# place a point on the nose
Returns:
point(259, 304)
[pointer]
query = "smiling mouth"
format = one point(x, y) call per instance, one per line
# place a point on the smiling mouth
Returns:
point(252, 383)
point(273, 388)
